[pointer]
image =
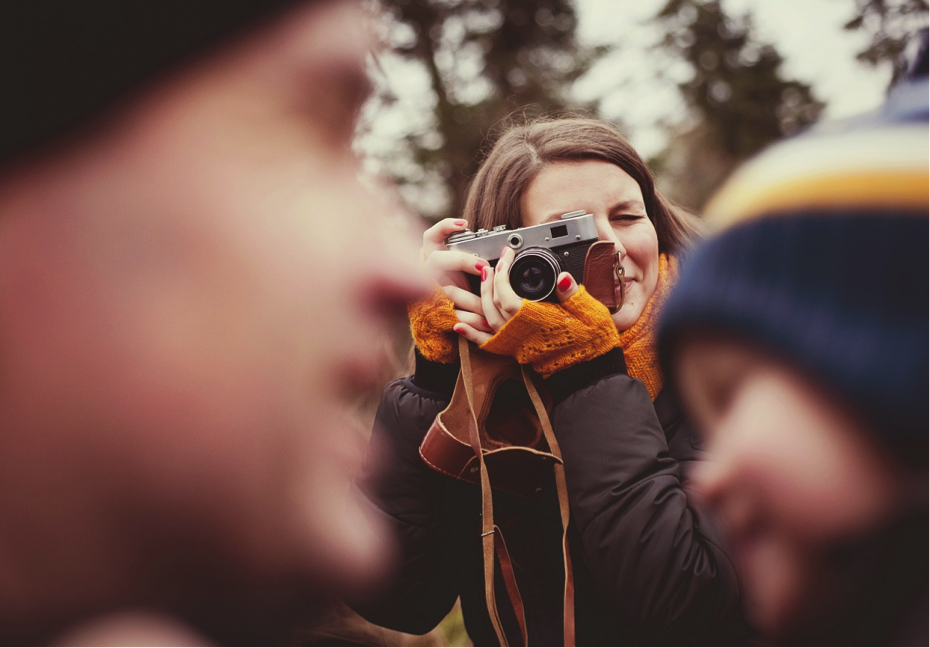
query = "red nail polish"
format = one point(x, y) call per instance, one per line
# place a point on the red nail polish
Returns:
point(565, 283)
point(481, 264)
point(486, 325)
point(457, 329)
point(460, 223)
point(484, 274)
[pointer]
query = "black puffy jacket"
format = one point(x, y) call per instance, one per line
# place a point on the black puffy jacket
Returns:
point(648, 566)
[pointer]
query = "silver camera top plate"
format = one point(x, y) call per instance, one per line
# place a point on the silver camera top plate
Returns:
point(571, 227)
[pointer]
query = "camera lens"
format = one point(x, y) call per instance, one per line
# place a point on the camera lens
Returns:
point(533, 274)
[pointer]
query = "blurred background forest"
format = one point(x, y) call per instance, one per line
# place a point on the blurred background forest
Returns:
point(697, 85)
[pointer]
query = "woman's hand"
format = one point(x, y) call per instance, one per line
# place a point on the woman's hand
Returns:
point(548, 336)
point(499, 301)
point(448, 268)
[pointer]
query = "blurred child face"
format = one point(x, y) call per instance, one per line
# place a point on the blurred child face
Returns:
point(191, 299)
point(789, 474)
point(615, 199)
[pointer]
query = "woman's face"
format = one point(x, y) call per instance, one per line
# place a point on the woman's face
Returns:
point(615, 199)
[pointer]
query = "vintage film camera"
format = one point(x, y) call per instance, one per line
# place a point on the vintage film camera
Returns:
point(542, 252)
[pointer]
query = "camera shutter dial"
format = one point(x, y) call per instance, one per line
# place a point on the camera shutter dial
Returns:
point(515, 241)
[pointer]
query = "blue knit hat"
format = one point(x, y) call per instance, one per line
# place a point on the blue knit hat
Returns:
point(821, 257)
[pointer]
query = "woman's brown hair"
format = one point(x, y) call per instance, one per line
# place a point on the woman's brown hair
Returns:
point(496, 192)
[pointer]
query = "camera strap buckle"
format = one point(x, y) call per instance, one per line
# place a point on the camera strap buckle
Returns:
point(621, 277)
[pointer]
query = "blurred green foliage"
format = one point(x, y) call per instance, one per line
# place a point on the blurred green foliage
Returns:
point(738, 96)
point(889, 24)
point(737, 88)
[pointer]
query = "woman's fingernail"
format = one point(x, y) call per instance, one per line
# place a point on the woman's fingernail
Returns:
point(481, 264)
point(565, 283)
point(486, 325)
point(484, 274)
point(457, 329)
point(460, 223)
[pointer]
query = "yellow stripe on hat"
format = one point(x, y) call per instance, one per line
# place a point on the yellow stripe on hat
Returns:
point(883, 168)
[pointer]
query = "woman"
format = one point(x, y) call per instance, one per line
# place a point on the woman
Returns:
point(647, 567)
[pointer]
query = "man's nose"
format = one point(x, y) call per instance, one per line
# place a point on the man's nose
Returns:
point(707, 479)
point(395, 277)
point(404, 270)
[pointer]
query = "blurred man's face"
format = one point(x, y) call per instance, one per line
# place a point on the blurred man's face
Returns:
point(190, 301)
point(789, 474)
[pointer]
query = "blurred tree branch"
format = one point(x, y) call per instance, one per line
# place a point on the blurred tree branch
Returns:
point(485, 60)
point(890, 24)
point(737, 93)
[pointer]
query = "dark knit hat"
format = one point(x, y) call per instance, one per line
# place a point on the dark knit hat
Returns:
point(821, 258)
point(63, 63)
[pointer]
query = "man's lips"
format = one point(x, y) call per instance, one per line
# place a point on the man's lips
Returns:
point(361, 373)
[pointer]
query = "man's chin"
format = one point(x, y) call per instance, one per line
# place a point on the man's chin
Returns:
point(355, 549)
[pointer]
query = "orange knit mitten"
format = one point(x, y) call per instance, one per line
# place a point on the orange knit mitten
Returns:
point(431, 322)
point(552, 337)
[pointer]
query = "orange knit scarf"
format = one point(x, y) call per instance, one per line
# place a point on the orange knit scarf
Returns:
point(639, 341)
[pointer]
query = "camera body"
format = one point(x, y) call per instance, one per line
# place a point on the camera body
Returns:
point(542, 252)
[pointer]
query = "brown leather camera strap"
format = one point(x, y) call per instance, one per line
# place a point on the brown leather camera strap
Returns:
point(489, 531)
point(568, 609)
point(510, 580)
point(492, 539)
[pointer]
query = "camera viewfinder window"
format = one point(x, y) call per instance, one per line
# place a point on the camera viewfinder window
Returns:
point(558, 231)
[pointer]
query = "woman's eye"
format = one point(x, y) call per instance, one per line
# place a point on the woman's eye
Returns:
point(625, 218)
